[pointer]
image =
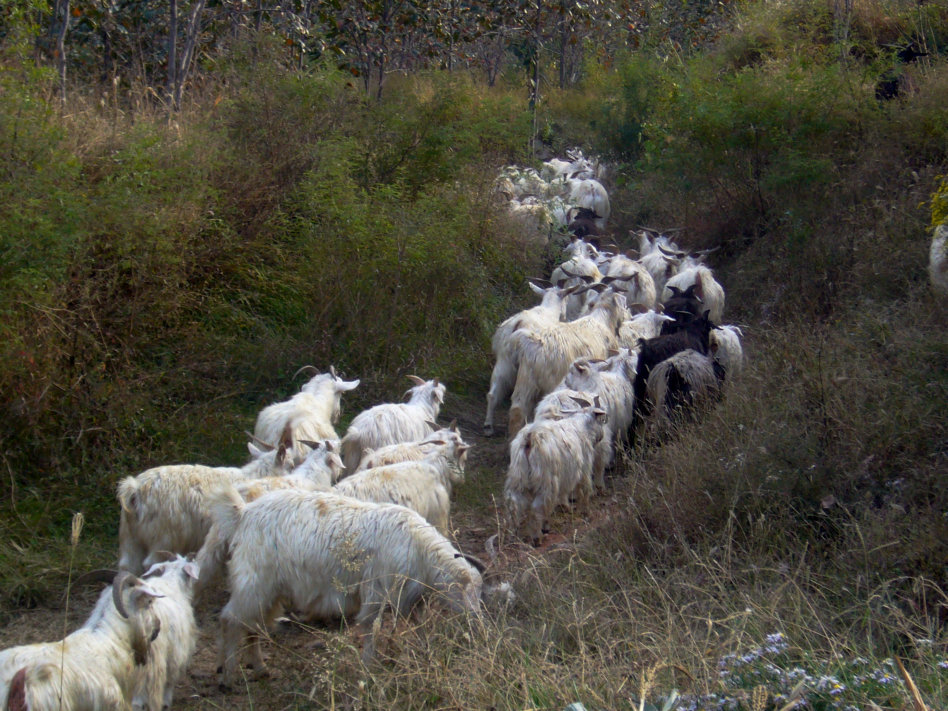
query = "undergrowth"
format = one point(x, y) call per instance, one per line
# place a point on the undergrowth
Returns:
point(161, 282)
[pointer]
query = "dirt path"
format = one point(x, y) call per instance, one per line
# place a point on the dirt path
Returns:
point(476, 516)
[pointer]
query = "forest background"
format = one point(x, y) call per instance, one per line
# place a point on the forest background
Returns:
point(198, 197)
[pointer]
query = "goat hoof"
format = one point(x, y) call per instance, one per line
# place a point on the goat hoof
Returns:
point(488, 430)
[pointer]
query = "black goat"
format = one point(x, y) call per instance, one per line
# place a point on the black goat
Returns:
point(694, 335)
point(684, 306)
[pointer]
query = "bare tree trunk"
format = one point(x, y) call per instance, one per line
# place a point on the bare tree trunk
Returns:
point(62, 10)
point(564, 40)
point(191, 36)
point(172, 54)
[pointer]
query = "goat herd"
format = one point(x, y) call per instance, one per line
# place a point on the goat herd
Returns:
point(341, 528)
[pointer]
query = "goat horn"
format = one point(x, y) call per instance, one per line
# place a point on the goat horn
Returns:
point(490, 545)
point(332, 371)
point(669, 253)
point(309, 443)
point(121, 581)
point(473, 560)
point(266, 446)
point(416, 380)
point(101, 575)
point(306, 367)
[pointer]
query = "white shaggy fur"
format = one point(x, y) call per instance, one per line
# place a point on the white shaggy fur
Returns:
point(165, 508)
point(550, 462)
point(174, 646)
point(413, 451)
point(423, 486)
point(612, 381)
point(391, 423)
point(726, 349)
point(311, 413)
point(99, 666)
point(547, 353)
point(507, 348)
point(635, 280)
point(328, 556)
point(592, 195)
point(642, 327)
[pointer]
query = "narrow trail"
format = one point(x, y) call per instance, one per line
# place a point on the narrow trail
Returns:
point(296, 652)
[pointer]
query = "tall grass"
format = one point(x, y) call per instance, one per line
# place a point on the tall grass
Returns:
point(161, 283)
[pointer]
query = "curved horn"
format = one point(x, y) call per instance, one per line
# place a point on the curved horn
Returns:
point(101, 575)
point(121, 581)
point(669, 253)
point(309, 443)
point(490, 545)
point(265, 446)
point(473, 560)
point(416, 380)
point(306, 367)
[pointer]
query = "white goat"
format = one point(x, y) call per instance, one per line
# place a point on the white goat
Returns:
point(507, 348)
point(642, 326)
point(391, 423)
point(423, 485)
point(311, 413)
point(551, 461)
point(96, 667)
point(547, 352)
point(165, 508)
point(612, 382)
point(412, 451)
point(591, 195)
point(638, 284)
point(938, 260)
point(174, 580)
point(562, 403)
point(726, 349)
point(329, 556)
point(580, 268)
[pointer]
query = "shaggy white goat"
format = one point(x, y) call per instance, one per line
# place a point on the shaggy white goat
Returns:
point(412, 451)
point(311, 413)
point(165, 508)
point(96, 667)
point(612, 382)
point(591, 195)
point(726, 349)
point(642, 326)
point(423, 485)
point(507, 348)
point(174, 580)
point(391, 423)
point(328, 556)
point(551, 461)
point(321, 467)
point(636, 281)
point(547, 352)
